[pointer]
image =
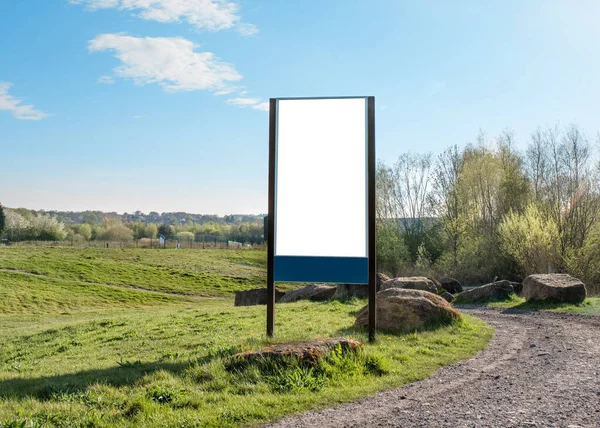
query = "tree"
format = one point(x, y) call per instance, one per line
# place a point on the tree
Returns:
point(402, 196)
point(47, 228)
point(444, 199)
point(85, 230)
point(2, 219)
point(165, 230)
point(151, 231)
point(531, 239)
point(390, 248)
point(116, 232)
point(16, 226)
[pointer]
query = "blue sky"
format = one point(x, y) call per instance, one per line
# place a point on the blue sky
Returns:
point(158, 105)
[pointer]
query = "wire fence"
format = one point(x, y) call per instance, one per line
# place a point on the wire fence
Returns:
point(171, 242)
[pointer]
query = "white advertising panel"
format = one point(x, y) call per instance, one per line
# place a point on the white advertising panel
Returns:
point(321, 178)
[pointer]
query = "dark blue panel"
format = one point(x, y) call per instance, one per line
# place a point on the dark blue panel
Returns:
point(343, 270)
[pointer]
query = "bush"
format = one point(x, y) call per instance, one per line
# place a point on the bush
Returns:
point(530, 239)
point(584, 262)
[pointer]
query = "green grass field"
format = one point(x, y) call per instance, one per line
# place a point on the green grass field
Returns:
point(110, 338)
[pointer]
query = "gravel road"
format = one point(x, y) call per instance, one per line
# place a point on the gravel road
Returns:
point(541, 369)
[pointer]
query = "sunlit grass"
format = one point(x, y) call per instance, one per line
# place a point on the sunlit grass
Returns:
point(113, 338)
point(167, 366)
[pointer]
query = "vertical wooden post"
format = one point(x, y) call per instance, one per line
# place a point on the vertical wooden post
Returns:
point(271, 224)
point(371, 222)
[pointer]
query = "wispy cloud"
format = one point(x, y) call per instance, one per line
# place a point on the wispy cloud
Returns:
point(246, 29)
point(106, 80)
point(261, 106)
point(243, 102)
point(170, 62)
point(16, 106)
point(255, 103)
point(211, 15)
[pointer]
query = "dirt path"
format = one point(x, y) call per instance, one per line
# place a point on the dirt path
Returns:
point(541, 369)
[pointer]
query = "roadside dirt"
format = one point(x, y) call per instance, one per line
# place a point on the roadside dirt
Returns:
point(541, 369)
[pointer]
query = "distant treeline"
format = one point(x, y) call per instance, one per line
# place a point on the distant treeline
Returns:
point(172, 218)
point(29, 225)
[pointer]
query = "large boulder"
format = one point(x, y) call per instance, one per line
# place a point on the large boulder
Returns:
point(314, 292)
point(401, 309)
point(499, 290)
point(451, 285)
point(309, 350)
point(411, 283)
point(257, 296)
point(554, 287)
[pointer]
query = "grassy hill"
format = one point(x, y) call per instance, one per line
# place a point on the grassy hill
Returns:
point(120, 338)
point(210, 272)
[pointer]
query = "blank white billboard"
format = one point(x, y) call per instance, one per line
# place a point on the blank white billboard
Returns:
point(321, 177)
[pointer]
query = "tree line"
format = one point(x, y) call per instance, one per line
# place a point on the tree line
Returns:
point(490, 210)
point(27, 225)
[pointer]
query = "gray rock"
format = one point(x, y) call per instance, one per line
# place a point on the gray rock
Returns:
point(499, 290)
point(517, 286)
point(451, 285)
point(554, 287)
point(314, 292)
point(258, 296)
point(447, 296)
point(348, 291)
point(411, 283)
point(309, 350)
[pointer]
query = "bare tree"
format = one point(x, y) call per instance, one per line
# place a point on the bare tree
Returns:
point(537, 162)
point(444, 198)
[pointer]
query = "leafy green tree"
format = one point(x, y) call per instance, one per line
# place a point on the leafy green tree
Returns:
point(85, 230)
point(47, 228)
point(151, 231)
point(165, 230)
point(584, 262)
point(391, 250)
point(531, 239)
point(186, 236)
point(117, 232)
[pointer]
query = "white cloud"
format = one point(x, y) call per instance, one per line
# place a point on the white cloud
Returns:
point(246, 29)
point(170, 62)
point(243, 102)
point(261, 106)
point(212, 15)
point(106, 80)
point(137, 116)
point(15, 106)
